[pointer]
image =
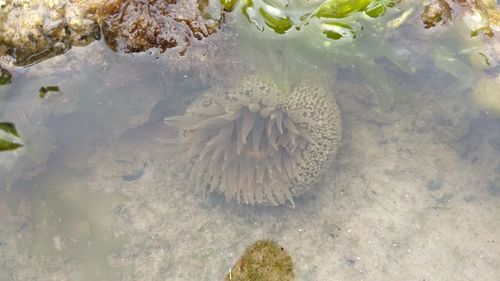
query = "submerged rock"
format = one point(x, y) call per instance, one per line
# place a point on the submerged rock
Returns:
point(36, 30)
point(264, 260)
point(31, 31)
point(480, 16)
point(484, 16)
point(435, 12)
point(138, 25)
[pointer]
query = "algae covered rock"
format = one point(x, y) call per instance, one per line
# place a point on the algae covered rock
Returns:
point(435, 12)
point(31, 31)
point(137, 25)
point(264, 260)
point(483, 16)
point(480, 16)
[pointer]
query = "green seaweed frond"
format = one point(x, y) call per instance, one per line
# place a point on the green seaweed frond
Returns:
point(338, 19)
point(10, 131)
point(44, 91)
point(5, 76)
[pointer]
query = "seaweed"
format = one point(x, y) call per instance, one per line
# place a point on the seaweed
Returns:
point(337, 19)
point(44, 91)
point(5, 76)
point(10, 130)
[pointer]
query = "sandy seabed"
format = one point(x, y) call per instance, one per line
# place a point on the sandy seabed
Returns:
point(411, 196)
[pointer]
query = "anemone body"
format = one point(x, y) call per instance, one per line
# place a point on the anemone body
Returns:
point(256, 145)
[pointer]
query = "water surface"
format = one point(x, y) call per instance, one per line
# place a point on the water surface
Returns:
point(414, 192)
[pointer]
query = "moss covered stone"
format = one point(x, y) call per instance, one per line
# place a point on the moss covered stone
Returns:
point(264, 260)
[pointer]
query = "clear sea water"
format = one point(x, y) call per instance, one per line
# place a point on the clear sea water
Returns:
point(413, 194)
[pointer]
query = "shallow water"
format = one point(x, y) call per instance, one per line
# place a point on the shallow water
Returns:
point(413, 194)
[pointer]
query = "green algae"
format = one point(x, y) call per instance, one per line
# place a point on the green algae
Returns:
point(44, 91)
point(5, 76)
point(341, 8)
point(264, 260)
point(276, 20)
point(337, 19)
point(228, 5)
point(8, 142)
point(9, 128)
point(6, 145)
point(317, 49)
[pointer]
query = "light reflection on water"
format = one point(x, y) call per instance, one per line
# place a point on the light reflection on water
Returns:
point(91, 196)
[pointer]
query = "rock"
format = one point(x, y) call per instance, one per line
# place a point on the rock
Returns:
point(480, 16)
point(36, 30)
point(435, 12)
point(264, 260)
point(136, 25)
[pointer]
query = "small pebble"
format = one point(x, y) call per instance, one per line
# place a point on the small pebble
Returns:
point(495, 143)
point(350, 262)
point(497, 169)
point(469, 199)
point(494, 187)
point(434, 184)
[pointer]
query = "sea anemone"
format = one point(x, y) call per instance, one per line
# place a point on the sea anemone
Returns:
point(256, 145)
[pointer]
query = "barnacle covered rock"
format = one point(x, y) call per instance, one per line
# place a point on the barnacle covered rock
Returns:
point(480, 16)
point(31, 31)
point(138, 25)
point(255, 144)
point(435, 12)
point(264, 260)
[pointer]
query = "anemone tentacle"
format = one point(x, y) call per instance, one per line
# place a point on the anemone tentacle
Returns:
point(254, 146)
